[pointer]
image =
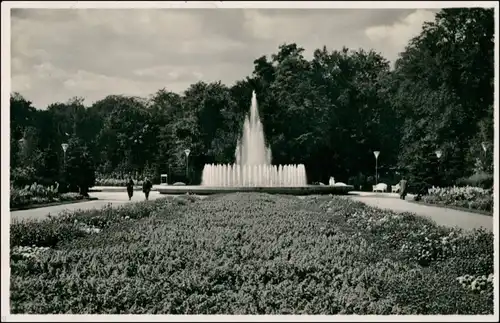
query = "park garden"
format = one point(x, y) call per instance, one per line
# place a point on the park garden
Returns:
point(257, 253)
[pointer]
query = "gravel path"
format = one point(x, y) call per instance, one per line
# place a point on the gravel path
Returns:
point(440, 215)
point(104, 198)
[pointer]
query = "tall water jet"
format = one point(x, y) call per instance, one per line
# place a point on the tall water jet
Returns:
point(251, 147)
point(253, 165)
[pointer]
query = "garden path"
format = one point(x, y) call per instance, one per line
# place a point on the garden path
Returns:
point(104, 198)
point(440, 215)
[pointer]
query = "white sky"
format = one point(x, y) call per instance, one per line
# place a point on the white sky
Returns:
point(92, 53)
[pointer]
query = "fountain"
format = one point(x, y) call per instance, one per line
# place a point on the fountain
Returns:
point(253, 166)
point(253, 169)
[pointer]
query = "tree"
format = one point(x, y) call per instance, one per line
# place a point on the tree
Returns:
point(79, 170)
point(126, 138)
point(329, 112)
point(206, 127)
point(22, 114)
point(445, 79)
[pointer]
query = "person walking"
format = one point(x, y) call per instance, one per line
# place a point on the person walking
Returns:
point(403, 186)
point(146, 187)
point(130, 188)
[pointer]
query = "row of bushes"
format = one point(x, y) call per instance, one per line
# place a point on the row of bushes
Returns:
point(121, 178)
point(249, 254)
point(20, 177)
point(115, 182)
point(469, 197)
point(364, 183)
point(24, 176)
point(36, 194)
point(482, 180)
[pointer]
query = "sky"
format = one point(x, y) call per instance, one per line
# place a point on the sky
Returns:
point(57, 54)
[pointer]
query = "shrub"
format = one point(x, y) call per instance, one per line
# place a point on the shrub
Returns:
point(79, 168)
point(22, 176)
point(119, 179)
point(482, 180)
point(38, 194)
point(116, 182)
point(467, 197)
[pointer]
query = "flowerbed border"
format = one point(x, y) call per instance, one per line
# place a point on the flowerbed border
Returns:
point(98, 189)
point(458, 208)
point(36, 206)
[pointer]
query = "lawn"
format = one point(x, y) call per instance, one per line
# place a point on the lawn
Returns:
point(249, 254)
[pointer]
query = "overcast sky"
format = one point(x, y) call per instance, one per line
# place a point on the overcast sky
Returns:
point(61, 53)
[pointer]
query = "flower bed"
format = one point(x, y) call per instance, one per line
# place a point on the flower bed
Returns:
point(468, 197)
point(250, 254)
point(36, 194)
point(69, 225)
point(115, 182)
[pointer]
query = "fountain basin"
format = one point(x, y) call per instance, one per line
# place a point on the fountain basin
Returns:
point(290, 190)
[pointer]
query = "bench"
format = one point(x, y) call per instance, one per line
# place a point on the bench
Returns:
point(380, 187)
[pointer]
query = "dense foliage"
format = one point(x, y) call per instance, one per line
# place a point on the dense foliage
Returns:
point(115, 182)
point(37, 194)
point(117, 179)
point(330, 113)
point(249, 254)
point(465, 197)
point(480, 179)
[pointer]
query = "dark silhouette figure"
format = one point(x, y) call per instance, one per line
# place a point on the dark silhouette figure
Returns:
point(130, 188)
point(146, 187)
point(403, 187)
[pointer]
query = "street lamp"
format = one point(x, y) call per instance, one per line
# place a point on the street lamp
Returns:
point(485, 148)
point(22, 150)
point(22, 144)
point(376, 153)
point(439, 153)
point(187, 152)
point(64, 148)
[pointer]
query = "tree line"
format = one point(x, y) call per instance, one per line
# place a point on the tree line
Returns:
point(330, 113)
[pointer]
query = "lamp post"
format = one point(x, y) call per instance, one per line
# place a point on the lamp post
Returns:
point(22, 150)
point(484, 161)
point(376, 153)
point(439, 153)
point(64, 148)
point(22, 144)
point(169, 173)
point(187, 152)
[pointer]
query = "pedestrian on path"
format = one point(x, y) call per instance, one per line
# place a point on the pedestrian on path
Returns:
point(146, 187)
point(130, 188)
point(403, 188)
